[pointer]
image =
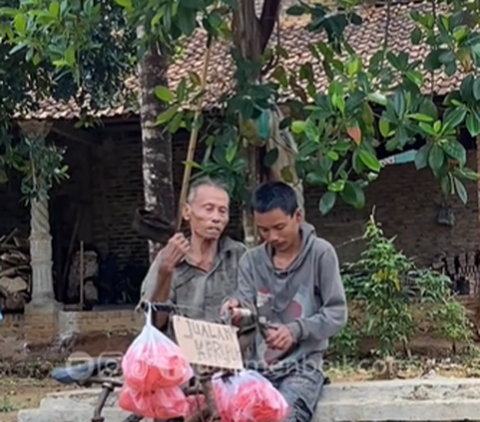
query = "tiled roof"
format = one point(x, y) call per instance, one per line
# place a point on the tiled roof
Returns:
point(366, 39)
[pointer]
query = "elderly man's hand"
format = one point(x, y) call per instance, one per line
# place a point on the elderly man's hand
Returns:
point(280, 337)
point(173, 253)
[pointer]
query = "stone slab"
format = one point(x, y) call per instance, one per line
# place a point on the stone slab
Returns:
point(68, 415)
point(77, 398)
point(436, 399)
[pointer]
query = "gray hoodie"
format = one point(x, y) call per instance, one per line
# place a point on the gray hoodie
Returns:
point(308, 297)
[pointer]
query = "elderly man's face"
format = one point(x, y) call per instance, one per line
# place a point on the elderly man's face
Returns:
point(208, 212)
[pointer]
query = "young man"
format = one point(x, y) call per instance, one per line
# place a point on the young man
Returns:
point(294, 279)
point(203, 268)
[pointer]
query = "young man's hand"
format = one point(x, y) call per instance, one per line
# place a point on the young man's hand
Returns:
point(280, 337)
point(232, 306)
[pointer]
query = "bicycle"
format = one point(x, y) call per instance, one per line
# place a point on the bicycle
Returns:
point(93, 373)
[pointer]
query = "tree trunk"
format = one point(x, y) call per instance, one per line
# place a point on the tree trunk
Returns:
point(156, 144)
point(250, 36)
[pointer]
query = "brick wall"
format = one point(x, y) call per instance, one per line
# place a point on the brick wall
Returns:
point(108, 321)
point(44, 328)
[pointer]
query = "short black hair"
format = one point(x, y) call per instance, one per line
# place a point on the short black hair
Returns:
point(274, 195)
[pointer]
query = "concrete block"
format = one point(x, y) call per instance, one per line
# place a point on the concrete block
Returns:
point(437, 399)
point(77, 399)
point(68, 415)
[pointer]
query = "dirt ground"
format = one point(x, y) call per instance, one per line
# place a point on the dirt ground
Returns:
point(24, 370)
point(23, 393)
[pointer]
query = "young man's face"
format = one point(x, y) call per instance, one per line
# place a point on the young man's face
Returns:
point(278, 229)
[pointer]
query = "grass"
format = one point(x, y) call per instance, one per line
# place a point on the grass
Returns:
point(6, 405)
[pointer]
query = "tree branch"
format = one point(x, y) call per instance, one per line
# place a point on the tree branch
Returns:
point(269, 16)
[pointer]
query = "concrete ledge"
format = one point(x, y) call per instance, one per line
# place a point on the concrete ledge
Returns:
point(84, 398)
point(68, 415)
point(437, 399)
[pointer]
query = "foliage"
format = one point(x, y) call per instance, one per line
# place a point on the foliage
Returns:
point(40, 164)
point(386, 102)
point(454, 324)
point(387, 283)
point(40, 41)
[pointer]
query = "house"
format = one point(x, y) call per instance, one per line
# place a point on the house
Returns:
point(106, 186)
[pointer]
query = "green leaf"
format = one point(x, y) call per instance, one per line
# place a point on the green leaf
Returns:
point(370, 160)
point(401, 136)
point(312, 131)
point(466, 88)
point(377, 98)
point(421, 117)
point(421, 157)
point(354, 66)
point(296, 10)
point(353, 195)
point(127, 4)
point(164, 94)
point(187, 21)
point(54, 9)
point(461, 191)
point(453, 117)
point(166, 116)
point(436, 158)
point(20, 23)
point(298, 127)
point(455, 150)
point(384, 127)
point(432, 61)
point(469, 174)
point(70, 56)
point(416, 36)
point(327, 202)
point(231, 153)
point(473, 123)
point(476, 89)
point(337, 185)
point(316, 179)
point(271, 157)
point(399, 103)
point(446, 57)
point(445, 184)
point(427, 107)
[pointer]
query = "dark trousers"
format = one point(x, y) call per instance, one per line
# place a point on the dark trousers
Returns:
point(301, 388)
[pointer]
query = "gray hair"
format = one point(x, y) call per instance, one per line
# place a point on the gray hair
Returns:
point(205, 181)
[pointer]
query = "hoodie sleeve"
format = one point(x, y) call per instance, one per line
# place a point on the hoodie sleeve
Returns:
point(332, 315)
point(245, 292)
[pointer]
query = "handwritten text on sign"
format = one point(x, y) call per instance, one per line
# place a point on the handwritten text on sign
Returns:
point(205, 343)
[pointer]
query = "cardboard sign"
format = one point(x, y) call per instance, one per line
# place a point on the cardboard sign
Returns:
point(209, 344)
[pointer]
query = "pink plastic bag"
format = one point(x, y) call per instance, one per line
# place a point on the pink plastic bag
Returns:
point(153, 361)
point(222, 394)
point(195, 403)
point(162, 404)
point(250, 397)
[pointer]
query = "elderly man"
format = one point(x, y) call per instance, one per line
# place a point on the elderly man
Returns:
point(202, 268)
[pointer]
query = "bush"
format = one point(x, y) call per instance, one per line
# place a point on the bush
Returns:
point(387, 282)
